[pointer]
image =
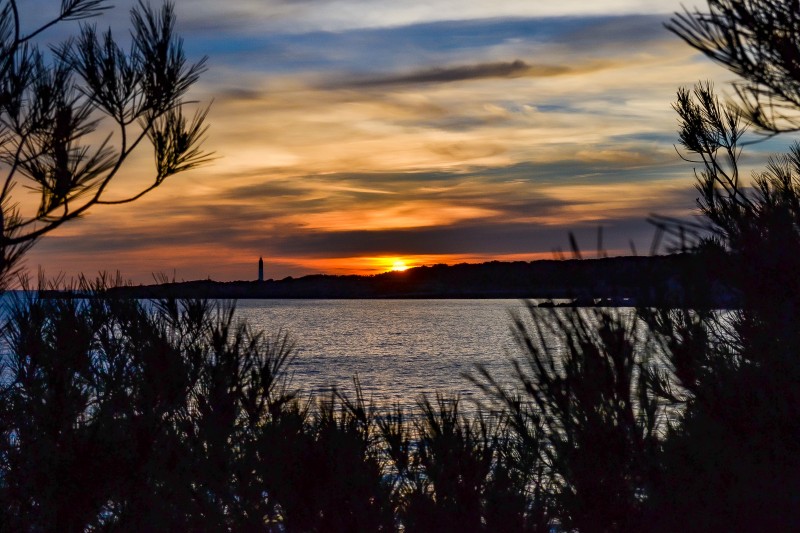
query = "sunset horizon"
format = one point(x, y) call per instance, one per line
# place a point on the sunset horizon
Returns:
point(346, 138)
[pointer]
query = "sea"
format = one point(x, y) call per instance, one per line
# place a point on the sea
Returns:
point(398, 350)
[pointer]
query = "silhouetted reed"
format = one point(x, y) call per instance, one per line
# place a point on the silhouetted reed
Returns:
point(670, 418)
point(121, 414)
point(172, 415)
point(583, 410)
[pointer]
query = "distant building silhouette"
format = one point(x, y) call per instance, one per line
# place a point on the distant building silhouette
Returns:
point(260, 269)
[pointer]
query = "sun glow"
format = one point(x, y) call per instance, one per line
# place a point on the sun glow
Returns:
point(398, 265)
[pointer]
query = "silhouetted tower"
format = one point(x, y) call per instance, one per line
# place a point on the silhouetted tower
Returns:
point(260, 269)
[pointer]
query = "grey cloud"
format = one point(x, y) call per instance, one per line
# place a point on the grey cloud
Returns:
point(464, 238)
point(506, 69)
point(511, 189)
point(240, 93)
point(551, 172)
point(269, 190)
point(467, 238)
point(297, 186)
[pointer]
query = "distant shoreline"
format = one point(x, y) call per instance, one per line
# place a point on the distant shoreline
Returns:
point(616, 281)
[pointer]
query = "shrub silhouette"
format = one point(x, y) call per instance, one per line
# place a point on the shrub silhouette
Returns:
point(52, 106)
point(672, 418)
point(171, 415)
point(324, 469)
point(695, 431)
point(737, 431)
point(456, 472)
point(584, 390)
point(119, 415)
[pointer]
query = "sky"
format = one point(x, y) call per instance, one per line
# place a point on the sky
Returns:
point(355, 136)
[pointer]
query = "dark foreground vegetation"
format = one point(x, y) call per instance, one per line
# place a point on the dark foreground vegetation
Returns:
point(118, 414)
point(177, 418)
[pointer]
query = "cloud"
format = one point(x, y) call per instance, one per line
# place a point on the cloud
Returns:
point(485, 240)
point(369, 53)
point(483, 211)
point(343, 15)
point(510, 69)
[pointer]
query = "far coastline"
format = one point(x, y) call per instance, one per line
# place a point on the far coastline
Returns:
point(615, 281)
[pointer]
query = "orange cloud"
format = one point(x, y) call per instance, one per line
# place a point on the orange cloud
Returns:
point(404, 215)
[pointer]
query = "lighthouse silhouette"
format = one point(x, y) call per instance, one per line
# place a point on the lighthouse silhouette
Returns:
point(260, 269)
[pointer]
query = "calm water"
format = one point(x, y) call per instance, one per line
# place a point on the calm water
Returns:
point(398, 348)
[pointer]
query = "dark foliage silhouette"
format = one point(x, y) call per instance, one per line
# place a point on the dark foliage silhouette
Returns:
point(53, 107)
point(324, 467)
point(119, 415)
point(670, 418)
point(453, 472)
point(584, 391)
point(731, 454)
point(693, 431)
point(757, 41)
point(172, 415)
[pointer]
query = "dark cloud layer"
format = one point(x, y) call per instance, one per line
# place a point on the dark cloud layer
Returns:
point(466, 239)
point(510, 69)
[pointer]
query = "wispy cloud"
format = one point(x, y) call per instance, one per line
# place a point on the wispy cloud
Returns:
point(343, 15)
point(439, 140)
point(510, 69)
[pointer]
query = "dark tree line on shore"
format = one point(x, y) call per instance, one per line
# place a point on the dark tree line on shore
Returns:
point(626, 281)
point(117, 414)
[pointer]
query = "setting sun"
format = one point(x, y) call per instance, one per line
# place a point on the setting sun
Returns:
point(398, 265)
